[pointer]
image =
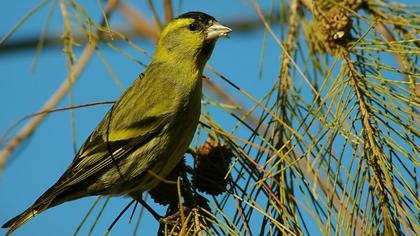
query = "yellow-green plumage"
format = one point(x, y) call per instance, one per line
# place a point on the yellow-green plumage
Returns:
point(147, 131)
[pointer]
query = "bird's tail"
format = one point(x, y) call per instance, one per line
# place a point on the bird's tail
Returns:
point(46, 201)
point(22, 218)
point(54, 196)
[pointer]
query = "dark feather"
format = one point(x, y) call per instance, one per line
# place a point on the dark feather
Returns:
point(199, 16)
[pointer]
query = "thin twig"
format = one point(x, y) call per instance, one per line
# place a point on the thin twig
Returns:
point(155, 14)
point(26, 17)
point(142, 28)
point(30, 127)
point(376, 159)
point(139, 22)
point(167, 6)
point(4, 136)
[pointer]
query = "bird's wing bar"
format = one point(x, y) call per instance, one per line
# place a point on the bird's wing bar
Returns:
point(111, 160)
point(98, 155)
point(75, 175)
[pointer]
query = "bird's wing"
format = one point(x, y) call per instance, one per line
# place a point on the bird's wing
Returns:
point(122, 131)
point(99, 154)
point(140, 115)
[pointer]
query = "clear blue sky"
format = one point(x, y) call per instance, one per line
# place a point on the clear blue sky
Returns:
point(49, 151)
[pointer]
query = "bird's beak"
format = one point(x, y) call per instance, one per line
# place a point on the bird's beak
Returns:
point(216, 30)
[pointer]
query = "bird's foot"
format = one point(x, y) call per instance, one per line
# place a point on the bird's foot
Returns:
point(174, 218)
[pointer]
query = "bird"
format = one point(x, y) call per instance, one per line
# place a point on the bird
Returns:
point(145, 134)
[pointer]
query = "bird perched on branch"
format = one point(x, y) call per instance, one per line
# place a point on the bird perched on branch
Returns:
point(148, 130)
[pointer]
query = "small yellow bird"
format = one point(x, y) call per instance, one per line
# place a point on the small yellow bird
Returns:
point(148, 130)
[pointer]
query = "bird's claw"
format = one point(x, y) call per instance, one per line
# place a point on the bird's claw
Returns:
point(174, 218)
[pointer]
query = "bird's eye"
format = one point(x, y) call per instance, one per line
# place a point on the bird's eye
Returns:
point(193, 27)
